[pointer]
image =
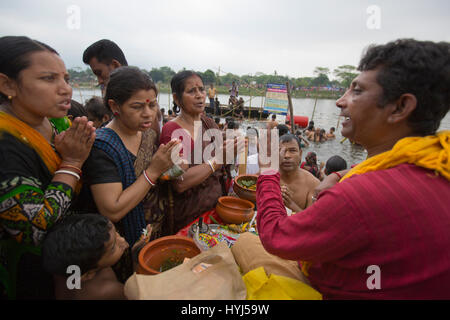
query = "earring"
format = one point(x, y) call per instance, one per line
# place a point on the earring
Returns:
point(116, 114)
point(9, 97)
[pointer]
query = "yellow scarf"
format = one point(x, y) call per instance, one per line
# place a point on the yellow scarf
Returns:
point(430, 152)
point(32, 138)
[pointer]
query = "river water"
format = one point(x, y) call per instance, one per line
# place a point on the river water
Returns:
point(325, 116)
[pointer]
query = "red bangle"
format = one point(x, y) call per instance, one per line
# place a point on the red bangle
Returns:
point(148, 179)
point(66, 166)
point(337, 173)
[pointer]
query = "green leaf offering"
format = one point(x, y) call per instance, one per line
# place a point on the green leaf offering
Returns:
point(247, 183)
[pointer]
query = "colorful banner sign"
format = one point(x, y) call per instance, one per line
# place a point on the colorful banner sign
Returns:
point(276, 99)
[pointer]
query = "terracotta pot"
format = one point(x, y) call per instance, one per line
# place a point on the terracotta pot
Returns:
point(235, 210)
point(242, 192)
point(156, 252)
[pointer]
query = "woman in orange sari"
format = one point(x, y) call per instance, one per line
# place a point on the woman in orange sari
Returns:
point(41, 155)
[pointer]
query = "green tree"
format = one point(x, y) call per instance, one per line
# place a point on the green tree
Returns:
point(168, 73)
point(345, 75)
point(303, 82)
point(321, 80)
point(157, 75)
point(321, 71)
point(209, 77)
point(229, 78)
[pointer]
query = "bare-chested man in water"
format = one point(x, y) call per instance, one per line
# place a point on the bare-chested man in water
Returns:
point(297, 185)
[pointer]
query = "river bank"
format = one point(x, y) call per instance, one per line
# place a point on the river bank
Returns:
point(244, 91)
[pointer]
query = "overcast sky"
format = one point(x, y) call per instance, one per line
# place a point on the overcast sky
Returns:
point(239, 36)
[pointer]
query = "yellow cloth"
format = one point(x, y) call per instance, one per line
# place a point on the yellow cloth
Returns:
point(430, 152)
point(261, 287)
point(32, 138)
point(211, 93)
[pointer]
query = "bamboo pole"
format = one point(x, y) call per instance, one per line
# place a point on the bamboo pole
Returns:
point(291, 108)
point(314, 110)
point(168, 106)
point(262, 106)
point(339, 120)
point(81, 96)
point(159, 93)
point(250, 108)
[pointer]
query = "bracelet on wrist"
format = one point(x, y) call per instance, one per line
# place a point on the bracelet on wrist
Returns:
point(68, 172)
point(67, 166)
point(148, 179)
point(338, 174)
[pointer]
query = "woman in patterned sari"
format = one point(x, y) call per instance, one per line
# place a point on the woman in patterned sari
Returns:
point(203, 183)
point(40, 160)
point(123, 168)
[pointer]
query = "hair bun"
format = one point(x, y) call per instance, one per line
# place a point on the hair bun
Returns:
point(175, 108)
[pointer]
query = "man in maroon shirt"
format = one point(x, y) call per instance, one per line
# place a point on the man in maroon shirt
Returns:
point(382, 233)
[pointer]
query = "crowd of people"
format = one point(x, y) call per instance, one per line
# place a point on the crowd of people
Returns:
point(79, 184)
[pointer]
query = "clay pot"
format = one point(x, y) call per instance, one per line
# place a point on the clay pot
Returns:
point(234, 210)
point(156, 252)
point(242, 192)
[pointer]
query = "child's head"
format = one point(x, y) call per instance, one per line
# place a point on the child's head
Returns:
point(76, 110)
point(97, 112)
point(282, 129)
point(89, 241)
point(335, 163)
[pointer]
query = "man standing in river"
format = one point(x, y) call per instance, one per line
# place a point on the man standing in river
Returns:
point(297, 185)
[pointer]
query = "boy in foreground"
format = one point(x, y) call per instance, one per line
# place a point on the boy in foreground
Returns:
point(90, 242)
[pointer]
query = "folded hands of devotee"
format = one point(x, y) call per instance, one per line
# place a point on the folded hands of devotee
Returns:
point(287, 195)
point(75, 143)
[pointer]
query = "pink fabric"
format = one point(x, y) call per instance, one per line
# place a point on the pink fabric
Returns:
point(166, 135)
point(397, 219)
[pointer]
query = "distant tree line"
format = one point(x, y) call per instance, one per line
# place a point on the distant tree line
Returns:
point(343, 76)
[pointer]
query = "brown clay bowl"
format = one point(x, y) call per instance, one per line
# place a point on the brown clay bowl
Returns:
point(156, 252)
point(234, 210)
point(243, 192)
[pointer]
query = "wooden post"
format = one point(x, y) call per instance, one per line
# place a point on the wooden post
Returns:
point(250, 108)
point(291, 108)
point(314, 110)
point(168, 106)
point(81, 96)
point(339, 120)
point(159, 93)
point(262, 108)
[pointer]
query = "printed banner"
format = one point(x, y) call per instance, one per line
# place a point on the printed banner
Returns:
point(276, 99)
